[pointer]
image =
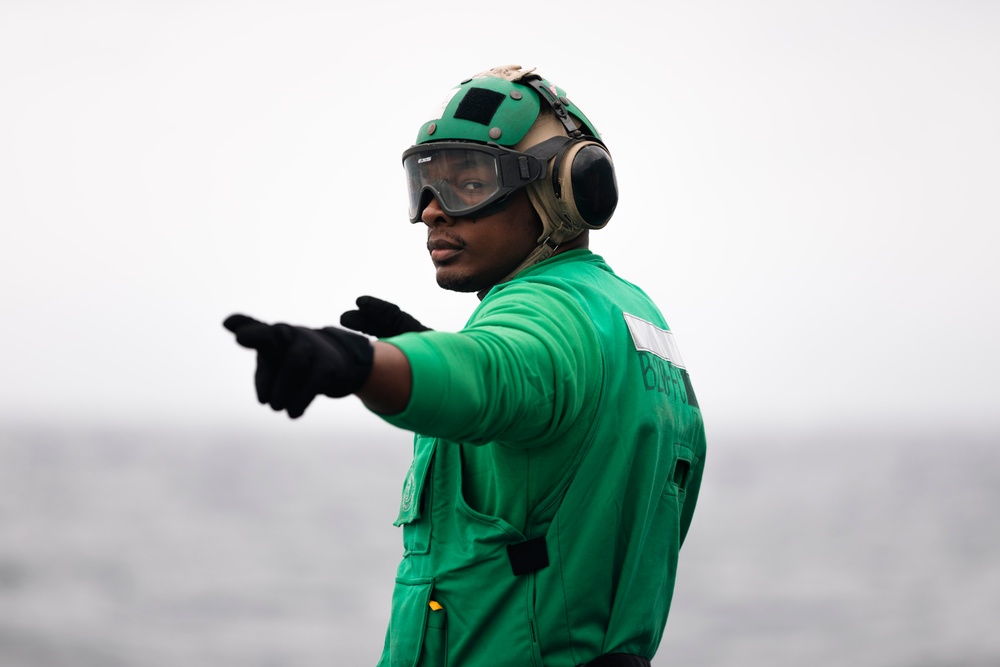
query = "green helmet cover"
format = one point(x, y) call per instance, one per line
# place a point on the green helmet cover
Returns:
point(491, 109)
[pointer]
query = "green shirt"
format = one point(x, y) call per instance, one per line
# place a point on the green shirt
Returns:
point(559, 412)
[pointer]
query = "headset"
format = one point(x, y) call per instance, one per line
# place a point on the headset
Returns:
point(582, 192)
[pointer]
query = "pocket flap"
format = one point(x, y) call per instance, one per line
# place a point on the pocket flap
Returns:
point(410, 606)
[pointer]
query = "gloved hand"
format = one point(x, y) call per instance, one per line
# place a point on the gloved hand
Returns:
point(296, 364)
point(376, 317)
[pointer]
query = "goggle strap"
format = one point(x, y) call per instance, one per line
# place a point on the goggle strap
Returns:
point(519, 169)
point(522, 164)
point(549, 148)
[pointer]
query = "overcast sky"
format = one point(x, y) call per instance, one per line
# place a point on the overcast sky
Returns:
point(809, 190)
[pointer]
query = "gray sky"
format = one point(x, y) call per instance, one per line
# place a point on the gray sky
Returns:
point(809, 190)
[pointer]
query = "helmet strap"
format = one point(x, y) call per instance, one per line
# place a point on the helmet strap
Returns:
point(545, 249)
point(554, 102)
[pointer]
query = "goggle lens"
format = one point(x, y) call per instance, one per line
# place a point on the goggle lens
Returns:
point(464, 178)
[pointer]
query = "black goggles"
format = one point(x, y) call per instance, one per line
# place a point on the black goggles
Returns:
point(466, 178)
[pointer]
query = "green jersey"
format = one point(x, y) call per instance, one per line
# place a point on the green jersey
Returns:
point(557, 462)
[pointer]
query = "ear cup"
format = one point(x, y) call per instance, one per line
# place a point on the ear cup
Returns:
point(595, 190)
point(585, 184)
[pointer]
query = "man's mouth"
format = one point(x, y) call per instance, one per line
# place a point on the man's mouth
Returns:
point(443, 250)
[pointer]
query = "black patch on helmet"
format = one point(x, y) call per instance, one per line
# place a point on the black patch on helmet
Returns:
point(479, 105)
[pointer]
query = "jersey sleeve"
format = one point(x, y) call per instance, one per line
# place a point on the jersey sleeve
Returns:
point(519, 374)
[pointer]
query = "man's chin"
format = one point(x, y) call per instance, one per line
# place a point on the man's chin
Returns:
point(457, 283)
point(452, 279)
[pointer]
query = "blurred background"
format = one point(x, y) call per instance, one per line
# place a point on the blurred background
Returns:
point(808, 190)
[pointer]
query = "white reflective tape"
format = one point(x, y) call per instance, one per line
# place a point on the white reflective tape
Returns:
point(648, 337)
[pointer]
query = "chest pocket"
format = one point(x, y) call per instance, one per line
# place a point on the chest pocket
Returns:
point(415, 502)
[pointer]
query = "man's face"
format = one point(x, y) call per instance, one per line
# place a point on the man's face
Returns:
point(473, 254)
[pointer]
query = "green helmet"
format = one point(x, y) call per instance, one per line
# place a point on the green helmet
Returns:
point(522, 129)
point(498, 106)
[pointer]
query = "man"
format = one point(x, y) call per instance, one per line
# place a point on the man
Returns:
point(559, 447)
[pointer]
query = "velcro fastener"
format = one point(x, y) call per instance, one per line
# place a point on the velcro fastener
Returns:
point(479, 105)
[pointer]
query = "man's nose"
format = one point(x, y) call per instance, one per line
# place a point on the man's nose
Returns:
point(434, 215)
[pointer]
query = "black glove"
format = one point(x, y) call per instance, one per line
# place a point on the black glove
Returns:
point(376, 317)
point(296, 364)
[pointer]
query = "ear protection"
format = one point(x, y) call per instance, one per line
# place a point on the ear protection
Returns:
point(581, 191)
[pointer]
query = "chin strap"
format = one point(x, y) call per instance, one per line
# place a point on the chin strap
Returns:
point(545, 249)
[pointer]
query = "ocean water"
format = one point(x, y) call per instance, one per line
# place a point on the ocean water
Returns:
point(152, 548)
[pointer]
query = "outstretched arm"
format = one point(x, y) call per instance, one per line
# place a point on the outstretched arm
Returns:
point(388, 388)
point(387, 391)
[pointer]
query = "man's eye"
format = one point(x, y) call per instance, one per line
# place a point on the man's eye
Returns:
point(472, 186)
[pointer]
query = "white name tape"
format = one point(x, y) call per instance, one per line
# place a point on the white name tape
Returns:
point(648, 337)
